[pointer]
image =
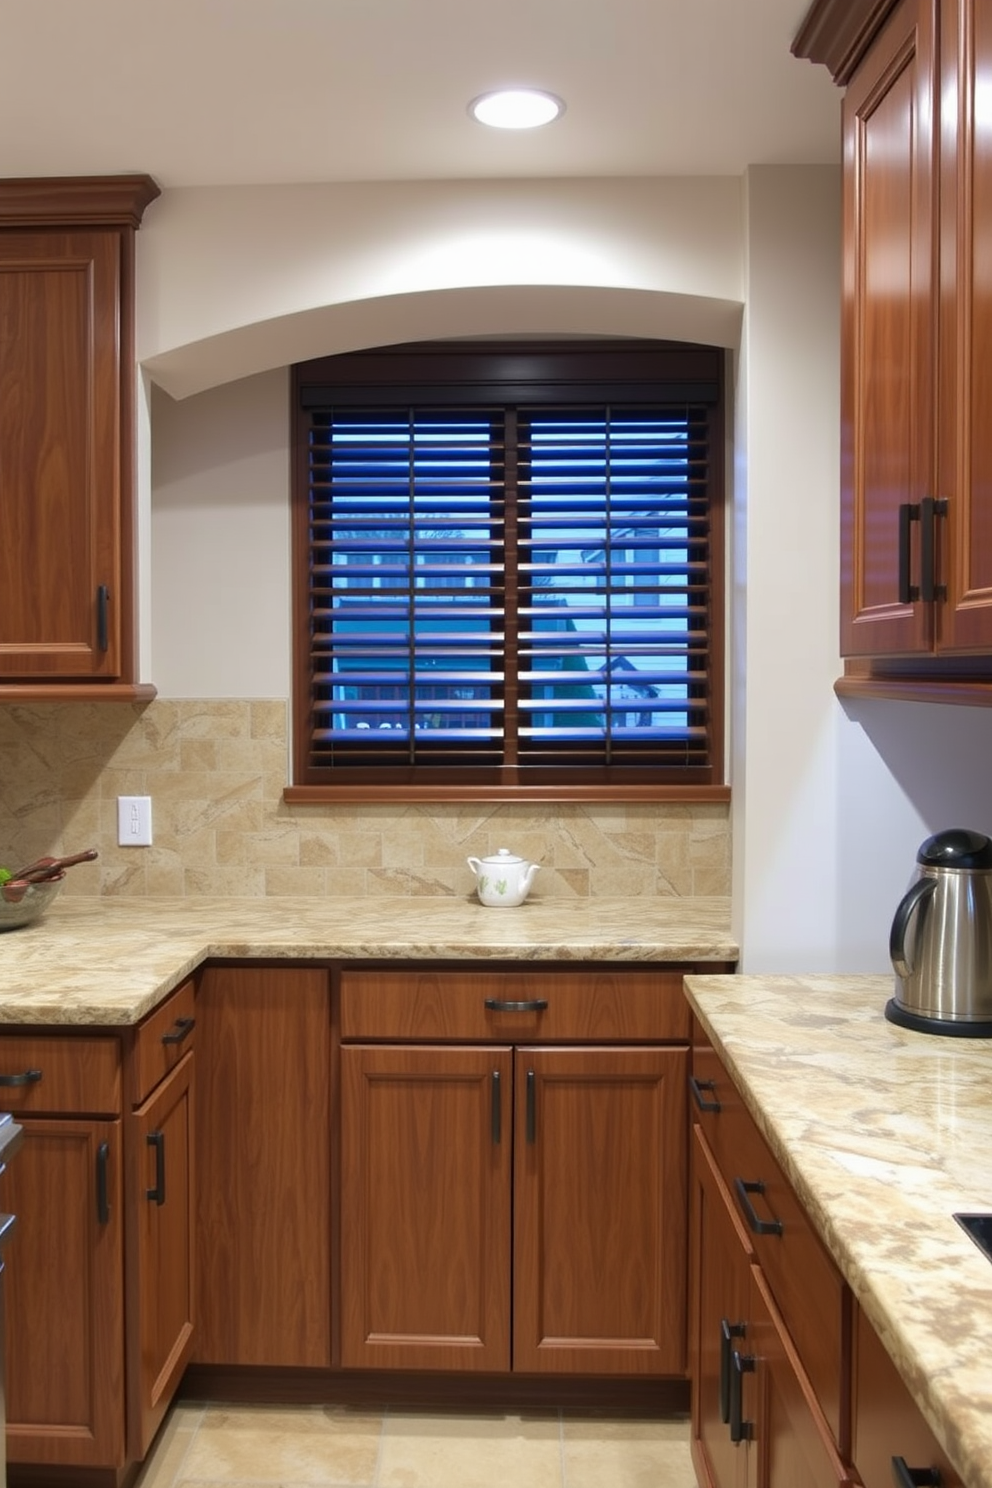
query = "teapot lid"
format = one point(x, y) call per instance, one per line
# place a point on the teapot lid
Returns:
point(956, 848)
point(504, 856)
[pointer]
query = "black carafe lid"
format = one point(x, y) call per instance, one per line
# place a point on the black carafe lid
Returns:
point(956, 848)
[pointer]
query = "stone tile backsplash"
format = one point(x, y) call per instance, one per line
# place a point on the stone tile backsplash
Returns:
point(215, 771)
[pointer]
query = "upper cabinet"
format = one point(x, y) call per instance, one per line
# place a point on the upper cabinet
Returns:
point(67, 414)
point(916, 451)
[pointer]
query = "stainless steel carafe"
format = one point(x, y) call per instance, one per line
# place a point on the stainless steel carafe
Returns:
point(941, 939)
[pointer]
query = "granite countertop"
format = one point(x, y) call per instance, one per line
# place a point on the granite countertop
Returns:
point(106, 961)
point(884, 1134)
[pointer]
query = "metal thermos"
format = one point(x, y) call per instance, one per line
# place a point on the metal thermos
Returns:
point(941, 939)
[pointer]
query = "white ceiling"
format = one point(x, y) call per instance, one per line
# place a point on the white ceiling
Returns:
point(209, 92)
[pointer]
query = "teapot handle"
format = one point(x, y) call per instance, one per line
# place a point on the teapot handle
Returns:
point(474, 864)
point(914, 895)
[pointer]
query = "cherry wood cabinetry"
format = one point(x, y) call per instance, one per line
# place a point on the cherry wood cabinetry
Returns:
point(161, 1199)
point(589, 1140)
point(770, 1313)
point(263, 1166)
point(65, 1300)
point(887, 1426)
point(916, 582)
point(66, 429)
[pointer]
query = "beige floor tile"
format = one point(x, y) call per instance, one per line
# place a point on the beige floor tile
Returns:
point(312, 1445)
point(168, 1450)
point(478, 1451)
point(626, 1453)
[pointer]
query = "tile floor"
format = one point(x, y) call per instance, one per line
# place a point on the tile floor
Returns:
point(205, 1446)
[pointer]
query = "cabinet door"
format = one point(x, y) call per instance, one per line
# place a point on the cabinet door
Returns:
point(719, 1303)
point(263, 1167)
point(600, 1201)
point(791, 1435)
point(162, 1135)
point(888, 334)
point(426, 1144)
point(60, 433)
point(65, 1296)
point(965, 621)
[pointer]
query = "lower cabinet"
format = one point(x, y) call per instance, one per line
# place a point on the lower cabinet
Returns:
point(507, 1204)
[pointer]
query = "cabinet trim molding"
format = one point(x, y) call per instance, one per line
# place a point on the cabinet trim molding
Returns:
point(838, 32)
point(64, 201)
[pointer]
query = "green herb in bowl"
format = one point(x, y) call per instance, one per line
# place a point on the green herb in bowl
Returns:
point(5, 875)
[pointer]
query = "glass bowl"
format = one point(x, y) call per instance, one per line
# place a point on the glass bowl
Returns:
point(36, 899)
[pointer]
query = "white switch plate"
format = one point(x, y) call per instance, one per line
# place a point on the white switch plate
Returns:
point(134, 821)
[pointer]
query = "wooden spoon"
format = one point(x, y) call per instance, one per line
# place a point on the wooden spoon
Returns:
point(44, 868)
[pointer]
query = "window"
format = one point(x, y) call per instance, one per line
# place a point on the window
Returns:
point(508, 571)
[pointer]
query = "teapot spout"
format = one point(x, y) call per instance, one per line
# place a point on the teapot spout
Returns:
point(474, 864)
point(529, 877)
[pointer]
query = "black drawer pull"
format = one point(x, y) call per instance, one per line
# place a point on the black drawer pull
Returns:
point(102, 629)
point(535, 1005)
point(27, 1077)
point(759, 1226)
point(740, 1430)
point(728, 1332)
point(697, 1087)
point(183, 1028)
point(156, 1139)
point(913, 1477)
point(497, 1111)
point(530, 1120)
point(102, 1191)
point(909, 512)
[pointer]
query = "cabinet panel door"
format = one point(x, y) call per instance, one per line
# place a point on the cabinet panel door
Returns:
point(965, 621)
point(263, 1167)
point(889, 332)
point(163, 1289)
point(65, 1296)
point(719, 1303)
point(791, 1434)
point(600, 1203)
point(60, 433)
point(426, 1144)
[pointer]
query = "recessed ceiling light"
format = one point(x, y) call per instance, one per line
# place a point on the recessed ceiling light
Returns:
point(516, 108)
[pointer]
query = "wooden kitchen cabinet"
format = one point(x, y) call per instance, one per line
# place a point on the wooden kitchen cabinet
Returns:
point(887, 1423)
point(65, 1301)
point(916, 346)
point(67, 535)
point(589, 1141)
point(263, 1166)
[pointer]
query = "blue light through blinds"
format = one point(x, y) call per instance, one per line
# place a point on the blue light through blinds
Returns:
point(530, 590)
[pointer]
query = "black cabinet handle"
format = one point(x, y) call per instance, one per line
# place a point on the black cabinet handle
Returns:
point(535, 1005)
point(26, 1077)
point(909, 512)
point(728, 1331)
point(697, 1087)
point(102, 1190)
point(497, 1113)
point(156, 1139)
point(740, 1430)
point(183, 1028)
point(531, 1114)
point(913, 1477)
point(759, 1226)
point(930, 510)
point(102, 631)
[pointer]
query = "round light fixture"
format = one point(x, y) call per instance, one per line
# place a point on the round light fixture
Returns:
point(516, 108)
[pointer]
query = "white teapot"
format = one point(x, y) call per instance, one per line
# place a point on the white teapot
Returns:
point(503, 879)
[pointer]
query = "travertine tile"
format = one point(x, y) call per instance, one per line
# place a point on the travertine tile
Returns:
point(627, 1454)
point(169, 1450)
point(441, 1451)
point(309, 1445)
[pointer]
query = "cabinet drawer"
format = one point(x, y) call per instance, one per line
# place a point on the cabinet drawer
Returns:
point(162, 1040)
point(608, 1006)
point(886, 1421)
point(808, 1289)
point(58, 1075)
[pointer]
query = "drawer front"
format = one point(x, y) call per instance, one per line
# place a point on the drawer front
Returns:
point(608, 1006)
point(808, 1289)
point(60, 1076)
point(887, 1422)
point(162, 1040)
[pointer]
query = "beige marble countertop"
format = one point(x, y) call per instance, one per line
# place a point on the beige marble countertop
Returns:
point(109, 961)
point(885, 1134)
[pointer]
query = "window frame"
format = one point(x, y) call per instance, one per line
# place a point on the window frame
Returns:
point(597, 372)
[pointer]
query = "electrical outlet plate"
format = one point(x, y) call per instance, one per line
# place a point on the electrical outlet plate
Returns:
point(134, 821)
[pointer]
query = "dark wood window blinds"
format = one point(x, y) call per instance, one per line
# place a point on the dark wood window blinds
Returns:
point(508, 580)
